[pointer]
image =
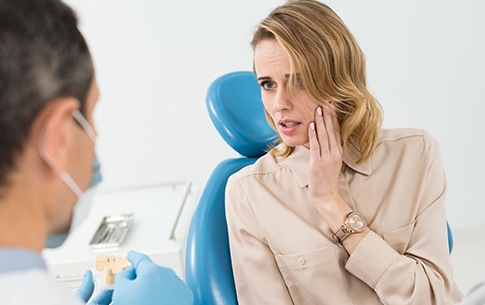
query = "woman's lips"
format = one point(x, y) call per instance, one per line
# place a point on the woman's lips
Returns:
point(289, 127)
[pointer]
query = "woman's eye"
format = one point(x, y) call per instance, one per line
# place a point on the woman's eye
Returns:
point(267, 85)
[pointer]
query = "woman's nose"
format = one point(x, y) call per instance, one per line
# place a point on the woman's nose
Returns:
point(282, 101)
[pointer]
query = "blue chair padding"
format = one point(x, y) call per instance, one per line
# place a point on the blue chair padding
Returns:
point(208, 269)
point(235, 107)
point(236, 110)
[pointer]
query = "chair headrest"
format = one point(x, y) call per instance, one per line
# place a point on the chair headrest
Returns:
point(236, 110)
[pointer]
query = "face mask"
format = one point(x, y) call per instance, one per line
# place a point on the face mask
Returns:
point(83, 205)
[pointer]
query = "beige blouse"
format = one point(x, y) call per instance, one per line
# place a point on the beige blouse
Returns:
point(282, 250)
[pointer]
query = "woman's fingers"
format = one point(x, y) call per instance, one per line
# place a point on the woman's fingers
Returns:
point(314, 145)
point(325, 155)
point(327, 131)
point(322, 133)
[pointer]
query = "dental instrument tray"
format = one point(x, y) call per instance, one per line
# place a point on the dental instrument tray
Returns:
point(112, 231)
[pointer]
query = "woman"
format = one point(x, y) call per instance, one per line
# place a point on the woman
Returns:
point(341, 212)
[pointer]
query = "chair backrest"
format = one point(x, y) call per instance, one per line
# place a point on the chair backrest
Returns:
point(235, 107)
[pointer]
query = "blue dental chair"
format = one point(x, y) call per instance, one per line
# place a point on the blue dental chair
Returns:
point(235, 107)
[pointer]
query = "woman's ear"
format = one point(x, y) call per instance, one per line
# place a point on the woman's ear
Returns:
point(53, 132)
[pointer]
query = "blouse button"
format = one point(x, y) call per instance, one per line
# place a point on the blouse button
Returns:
point(301, 261)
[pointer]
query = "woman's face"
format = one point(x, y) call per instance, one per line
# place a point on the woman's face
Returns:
point(291, 114)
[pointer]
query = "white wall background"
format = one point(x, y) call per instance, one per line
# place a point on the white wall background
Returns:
point(155, 60)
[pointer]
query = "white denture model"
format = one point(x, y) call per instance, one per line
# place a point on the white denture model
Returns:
point(106, 268)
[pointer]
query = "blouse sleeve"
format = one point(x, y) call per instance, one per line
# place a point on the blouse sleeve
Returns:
point(423, 273)
point(256, 276)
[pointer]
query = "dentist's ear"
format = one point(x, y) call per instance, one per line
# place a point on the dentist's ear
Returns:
point(53, 131)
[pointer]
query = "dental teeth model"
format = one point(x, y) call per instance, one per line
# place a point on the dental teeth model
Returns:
point(110, 265)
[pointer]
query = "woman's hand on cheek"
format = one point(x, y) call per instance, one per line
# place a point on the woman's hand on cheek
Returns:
point(325, 159)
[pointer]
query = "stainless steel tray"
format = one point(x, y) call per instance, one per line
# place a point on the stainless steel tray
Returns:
point(112, 231)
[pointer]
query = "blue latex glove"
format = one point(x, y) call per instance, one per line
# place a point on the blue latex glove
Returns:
point(86, 289)
point(146, 283)
point(102, 298)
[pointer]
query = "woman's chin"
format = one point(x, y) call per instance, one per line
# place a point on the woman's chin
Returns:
point(293, 142)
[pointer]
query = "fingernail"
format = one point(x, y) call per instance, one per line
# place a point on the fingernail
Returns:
point(312, 126)
point(319, 110)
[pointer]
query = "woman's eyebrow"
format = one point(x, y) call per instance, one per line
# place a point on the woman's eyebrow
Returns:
point(264, 78)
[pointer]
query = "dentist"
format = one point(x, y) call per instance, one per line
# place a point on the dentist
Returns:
point(48, 92)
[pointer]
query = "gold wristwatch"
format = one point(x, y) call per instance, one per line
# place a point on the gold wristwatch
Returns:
point(354, 223)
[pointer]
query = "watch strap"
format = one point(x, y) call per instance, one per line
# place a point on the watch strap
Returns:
point(342, 233)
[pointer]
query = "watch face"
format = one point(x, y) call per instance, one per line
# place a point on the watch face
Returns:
point(356, 222)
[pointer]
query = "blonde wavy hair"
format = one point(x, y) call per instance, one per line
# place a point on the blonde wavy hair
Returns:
point(326, 59)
